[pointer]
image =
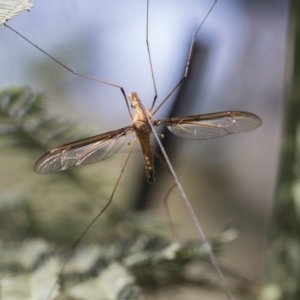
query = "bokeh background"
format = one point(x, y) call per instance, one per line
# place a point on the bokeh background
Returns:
point(238, 64)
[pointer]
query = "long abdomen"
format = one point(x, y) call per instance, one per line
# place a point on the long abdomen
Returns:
point(148, 158)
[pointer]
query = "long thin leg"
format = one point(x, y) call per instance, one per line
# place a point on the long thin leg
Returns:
point(98, 215)
point(202, 237)
point(71, 70)
point(149, 57)
point(185, 74)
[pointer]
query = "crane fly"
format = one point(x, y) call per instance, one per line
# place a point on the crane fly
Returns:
point(102, 146)
point(99, 147)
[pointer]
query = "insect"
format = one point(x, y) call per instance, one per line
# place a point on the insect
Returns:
point(102, 146)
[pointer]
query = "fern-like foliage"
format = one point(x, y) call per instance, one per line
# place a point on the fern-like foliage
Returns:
point(123, 256)
point(11, 8)
point(24, 121)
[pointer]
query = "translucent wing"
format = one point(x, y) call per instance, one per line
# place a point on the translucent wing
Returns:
point(82, 152)
point(212, 125)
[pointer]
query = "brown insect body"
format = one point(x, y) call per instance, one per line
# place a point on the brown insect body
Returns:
point(143, 131)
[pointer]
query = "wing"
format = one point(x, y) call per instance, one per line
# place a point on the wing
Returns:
point(82, 152)
point(212, 125)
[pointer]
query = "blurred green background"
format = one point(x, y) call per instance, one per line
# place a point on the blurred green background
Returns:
point(242, 59)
